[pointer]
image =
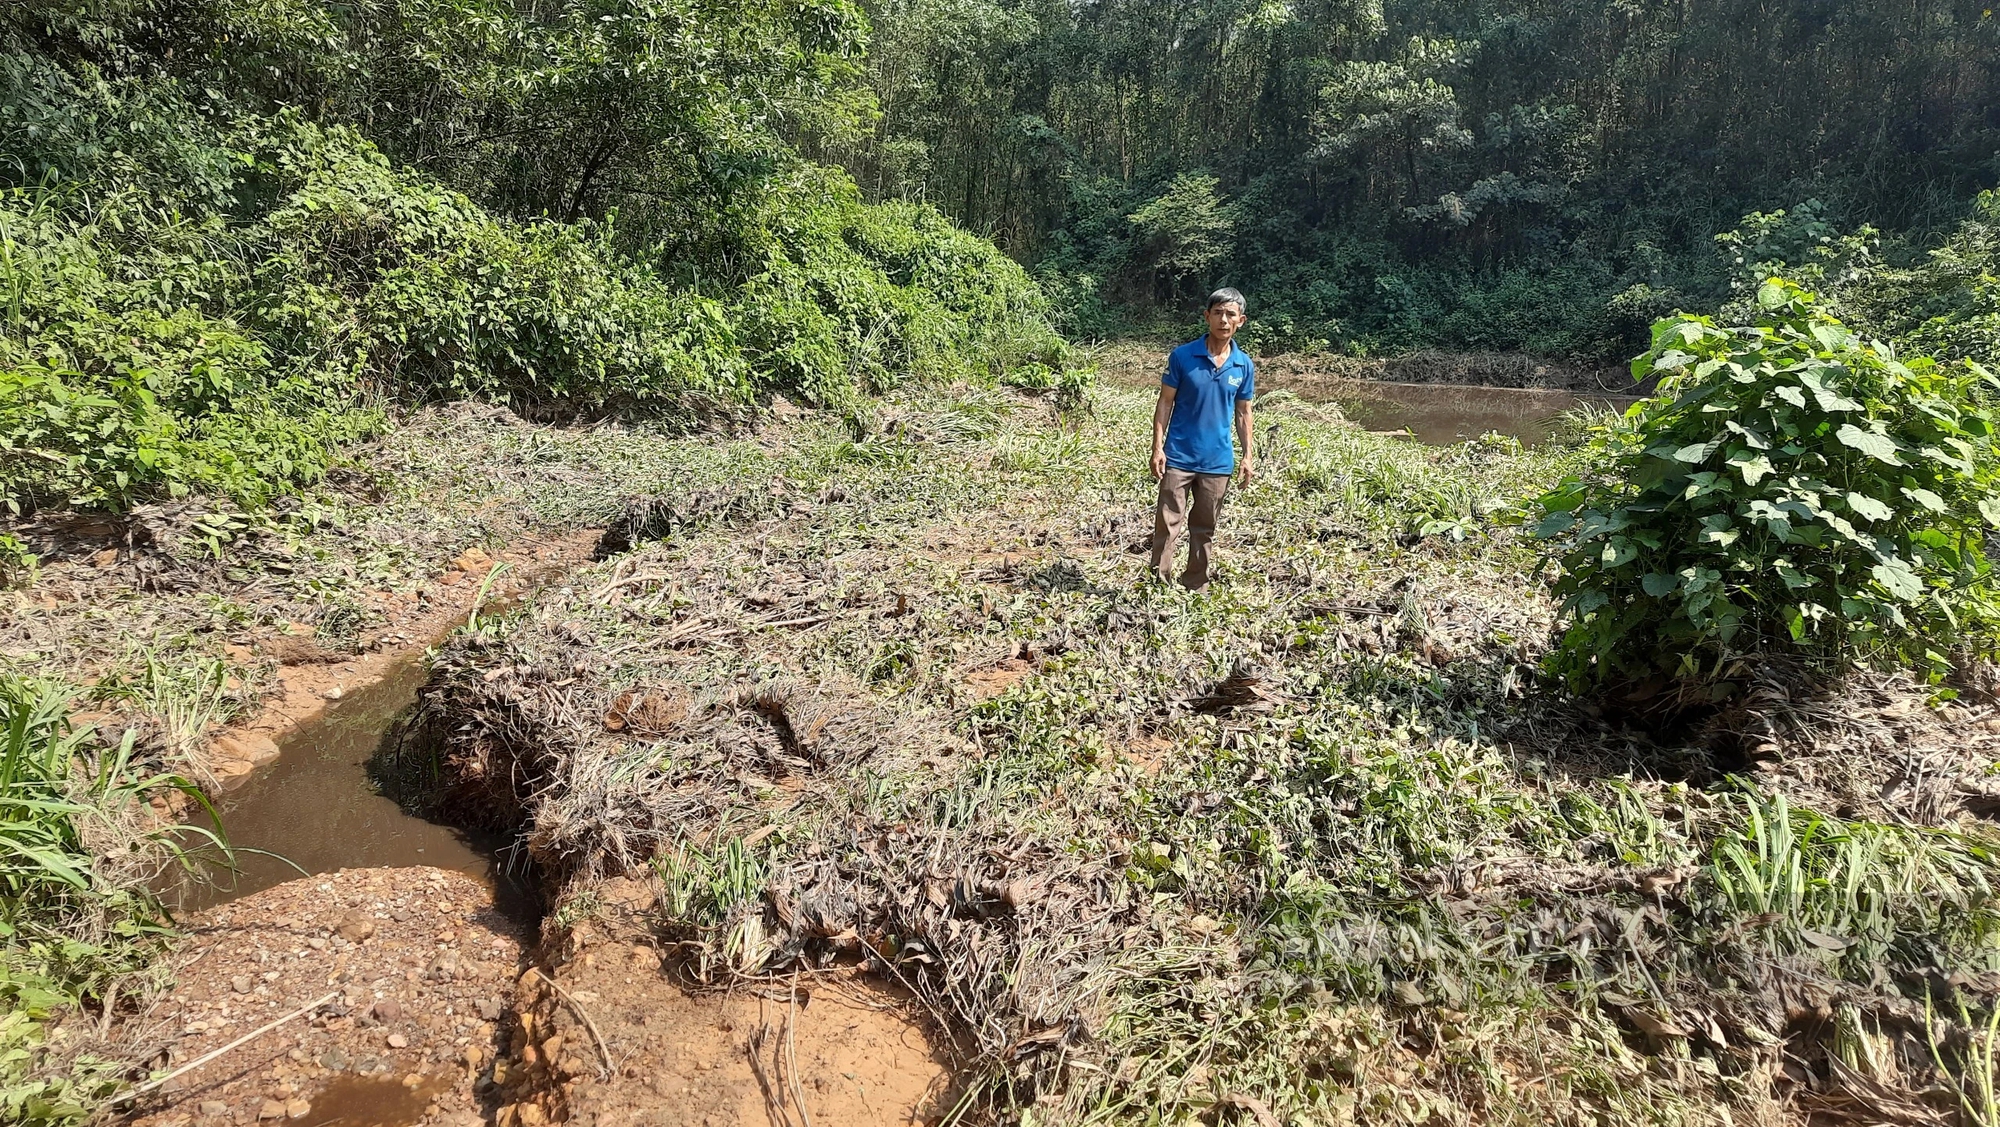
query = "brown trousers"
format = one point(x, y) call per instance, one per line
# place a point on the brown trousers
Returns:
point(1176, 487)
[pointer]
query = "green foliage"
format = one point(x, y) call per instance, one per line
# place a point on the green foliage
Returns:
point(861, 297)
point(117, 380)
point(205, 292)
point(1422, 174)
point(1947, 304)
point(1185, 230)
point(17, 563)
point(72, 918)
point(431, 294)
point(1849, 888)
point(1793, 489)
point(1069, 387)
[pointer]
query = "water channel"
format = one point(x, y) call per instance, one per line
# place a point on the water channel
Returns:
point(317, 809)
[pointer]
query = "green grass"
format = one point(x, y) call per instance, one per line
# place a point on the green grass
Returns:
point(79, 846)
point(1419, 882)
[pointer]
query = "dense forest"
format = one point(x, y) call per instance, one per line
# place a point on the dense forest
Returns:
point(1509, 174)
point(226, 222)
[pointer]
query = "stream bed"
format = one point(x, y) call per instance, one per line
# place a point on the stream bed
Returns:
point(317, 808)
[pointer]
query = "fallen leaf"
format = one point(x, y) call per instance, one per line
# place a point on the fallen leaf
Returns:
point(1258, 1109)
point(1653, 1025)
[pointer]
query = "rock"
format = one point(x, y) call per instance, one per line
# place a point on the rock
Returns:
point(489, 1009)
point(240, 984)
point(316, 943)
point(398, 1041)
point(297, 1109)
point(387, 1010)
point(334, 693)
point(355, 927)
point(214, 1107)
point(227, 769)
point(254, 748)
point(475, 1055)
point(272, 1109)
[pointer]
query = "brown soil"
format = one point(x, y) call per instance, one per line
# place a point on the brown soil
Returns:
point(422, 964)
point(440, 1019)
point(839, 1043)
point(310, 678)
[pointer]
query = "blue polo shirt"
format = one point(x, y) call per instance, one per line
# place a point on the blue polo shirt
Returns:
point(1205, 398)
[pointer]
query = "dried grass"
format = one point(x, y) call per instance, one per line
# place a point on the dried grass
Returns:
point(1316, 842)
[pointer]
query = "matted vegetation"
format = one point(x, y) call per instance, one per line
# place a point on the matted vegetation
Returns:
point(1314, 846)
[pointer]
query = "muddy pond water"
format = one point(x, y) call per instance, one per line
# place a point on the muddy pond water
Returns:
point(317, 809)
point(1440, 414)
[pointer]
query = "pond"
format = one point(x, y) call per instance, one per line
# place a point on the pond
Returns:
point(1441, 414)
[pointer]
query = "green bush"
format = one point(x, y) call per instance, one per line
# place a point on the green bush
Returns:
point(75, 913)
point(1792, 488)
point(858, 297)
point(203, 297)
point(119, 376)
point(385, 274)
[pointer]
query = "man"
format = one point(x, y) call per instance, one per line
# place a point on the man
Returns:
point(1209, 382)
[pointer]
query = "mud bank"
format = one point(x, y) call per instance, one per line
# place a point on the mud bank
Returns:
point(445, 1010)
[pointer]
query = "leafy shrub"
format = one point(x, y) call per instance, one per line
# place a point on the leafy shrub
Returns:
point(858, 297)
point(1069, 387)
point(116, 379)
point(1792, 488)
point(427, 292)
point(73, 918)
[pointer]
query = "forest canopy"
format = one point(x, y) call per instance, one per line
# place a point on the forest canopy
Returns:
point(1388, 174)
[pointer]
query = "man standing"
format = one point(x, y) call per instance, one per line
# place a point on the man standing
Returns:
point(1209, 382)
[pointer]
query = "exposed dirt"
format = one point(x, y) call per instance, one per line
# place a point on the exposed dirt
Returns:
point(440, 1018)
point(310, 678)
point(838, 1044)
point(422, 966)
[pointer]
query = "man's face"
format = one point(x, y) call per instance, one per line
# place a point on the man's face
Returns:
point(1224, 318)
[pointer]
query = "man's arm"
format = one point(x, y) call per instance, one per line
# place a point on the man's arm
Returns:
point(1163, 413)
point(1245, 427)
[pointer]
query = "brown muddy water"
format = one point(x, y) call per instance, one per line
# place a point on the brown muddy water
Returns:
point(1441, 414)
point(317, 809)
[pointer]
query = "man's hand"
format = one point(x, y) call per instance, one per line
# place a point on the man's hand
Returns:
point(1159, 464)
point(1246, 471)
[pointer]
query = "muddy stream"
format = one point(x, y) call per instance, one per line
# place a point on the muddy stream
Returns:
point(317, 808)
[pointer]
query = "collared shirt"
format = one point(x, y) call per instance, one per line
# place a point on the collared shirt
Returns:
point(1205, 398)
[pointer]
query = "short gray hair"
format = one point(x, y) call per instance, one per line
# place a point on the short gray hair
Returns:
point(1224, 295)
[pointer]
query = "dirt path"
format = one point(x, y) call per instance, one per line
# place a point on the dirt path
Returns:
point(423, 966)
